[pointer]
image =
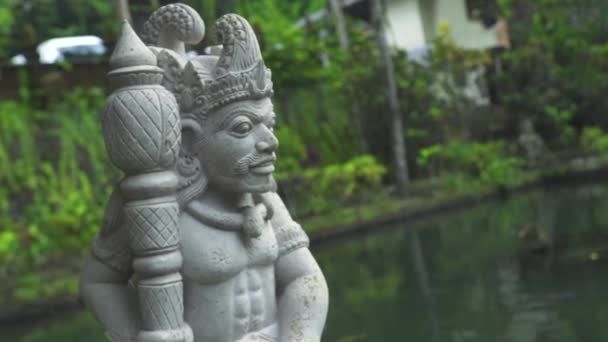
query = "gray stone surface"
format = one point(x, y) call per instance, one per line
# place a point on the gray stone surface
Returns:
point(196, 245)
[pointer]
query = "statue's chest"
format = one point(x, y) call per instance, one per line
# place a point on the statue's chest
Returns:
point(213, 255)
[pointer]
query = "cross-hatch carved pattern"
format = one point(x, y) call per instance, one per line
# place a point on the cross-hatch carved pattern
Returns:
point(173, 133)
point(153, 227)
point(143, 129)
point(130, 137)
point(162, 306)
point(119, 150)
point(144, 119)
point(129, 157)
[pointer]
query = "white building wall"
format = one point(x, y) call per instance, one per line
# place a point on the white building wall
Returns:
point(404, 28)
point(466, 33)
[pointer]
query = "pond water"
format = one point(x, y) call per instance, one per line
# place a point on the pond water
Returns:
point(531, 268)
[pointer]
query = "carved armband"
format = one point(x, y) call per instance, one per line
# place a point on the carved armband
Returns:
point(290, 236)
point(111, 244)
point(113, 251)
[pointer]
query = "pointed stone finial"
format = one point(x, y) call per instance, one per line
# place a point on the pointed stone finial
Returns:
point(132, 62)
point(130, 51)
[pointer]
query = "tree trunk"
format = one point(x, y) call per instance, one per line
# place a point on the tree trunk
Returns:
point(399, 150)
point(336, 8)
point(121, 8)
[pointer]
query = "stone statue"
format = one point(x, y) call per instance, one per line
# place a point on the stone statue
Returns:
point(196, 245)
point(531, 143)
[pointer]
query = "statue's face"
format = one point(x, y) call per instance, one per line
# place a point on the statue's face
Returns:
point(237, 150)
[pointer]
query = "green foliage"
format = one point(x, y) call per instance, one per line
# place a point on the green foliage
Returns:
point(316, 82)
point(487, 164)
point(561, 121)
point(556, 71)
point(504, 7)
point(32, 22)
point(6, 21)
point(425, 155)
point(8, 244)
point(316, 191)
point(284, 46)
point(34, 286)
point(292, 151)
point(74, 327)
point(344, 181)
point(593, 139)
point(505, 171)
point(310, 90)
point(434, 93)
point(55, 178)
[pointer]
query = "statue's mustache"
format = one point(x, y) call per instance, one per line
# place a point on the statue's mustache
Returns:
point(242, 165)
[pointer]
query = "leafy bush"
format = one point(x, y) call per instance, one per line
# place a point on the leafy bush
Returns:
point(487, 163)
point(55, 177)
point(316, 191)
point(343, 181)
point(593, 139)
point(291, 152)
point(556, 73)
point(560, 119)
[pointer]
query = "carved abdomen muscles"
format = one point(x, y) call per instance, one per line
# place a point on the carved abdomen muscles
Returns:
point(228, 311)
point(229, 283)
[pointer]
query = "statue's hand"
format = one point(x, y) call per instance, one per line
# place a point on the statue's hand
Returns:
point(114, 336)
point(179, 335)
point(188, 334)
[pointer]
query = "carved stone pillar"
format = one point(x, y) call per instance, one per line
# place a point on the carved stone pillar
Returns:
point(141, 129)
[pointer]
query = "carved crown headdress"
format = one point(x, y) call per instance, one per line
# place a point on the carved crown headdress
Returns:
point(204, 83)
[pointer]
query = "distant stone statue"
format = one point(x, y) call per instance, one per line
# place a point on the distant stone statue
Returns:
point(531, 142)
point(196, 245)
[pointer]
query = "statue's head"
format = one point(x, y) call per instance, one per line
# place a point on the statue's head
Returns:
point(236, 146)
point(227, 116)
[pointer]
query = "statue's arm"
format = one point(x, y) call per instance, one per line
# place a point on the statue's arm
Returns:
point(303, 297)
point(104, 279)
point(106, 292)
point(301, 287)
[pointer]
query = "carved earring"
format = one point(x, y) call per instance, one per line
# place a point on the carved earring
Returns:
point(192, 182)
point(188, 169)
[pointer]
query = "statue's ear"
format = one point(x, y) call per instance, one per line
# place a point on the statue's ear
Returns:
point(191, 133)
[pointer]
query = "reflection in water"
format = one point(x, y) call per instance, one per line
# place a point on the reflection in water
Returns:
point(475, 277)
point(529, 269)
point(531, 318)
point(423, 281)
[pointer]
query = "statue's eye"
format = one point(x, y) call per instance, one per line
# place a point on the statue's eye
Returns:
point(242, 128)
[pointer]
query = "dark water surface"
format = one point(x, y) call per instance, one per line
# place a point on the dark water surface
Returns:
point(532, 268)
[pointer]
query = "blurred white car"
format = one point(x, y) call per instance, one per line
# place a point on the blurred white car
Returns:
point(58, 50)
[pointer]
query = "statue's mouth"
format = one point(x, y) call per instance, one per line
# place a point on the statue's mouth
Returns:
point(263, 166)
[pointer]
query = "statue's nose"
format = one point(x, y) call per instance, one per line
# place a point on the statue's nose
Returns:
point(267, 145)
